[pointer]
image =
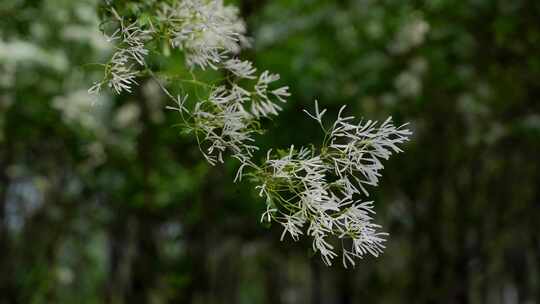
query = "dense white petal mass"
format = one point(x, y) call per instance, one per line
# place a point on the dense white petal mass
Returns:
point(206, 30)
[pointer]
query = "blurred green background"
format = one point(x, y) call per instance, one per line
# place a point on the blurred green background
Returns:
point(104, 201)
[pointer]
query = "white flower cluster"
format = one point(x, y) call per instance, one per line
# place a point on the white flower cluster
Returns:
point(313, 191)
point(242, 69)
point(210, 34)
point(318, 192)
point(229, 117)
point(225, 125)
point(263, 105)
point(206, 30)
point(120, 72)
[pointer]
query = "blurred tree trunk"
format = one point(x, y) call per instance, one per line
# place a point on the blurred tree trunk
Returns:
point(198, 238)
point(536, 241)
point(273, 280)
point(316, 285)
point(120, 250)
point(8, 289)
point(198, 272)
point(465, 200)
point(427, 203)
point(144, 265)
point(48, 228)
point(345, 287)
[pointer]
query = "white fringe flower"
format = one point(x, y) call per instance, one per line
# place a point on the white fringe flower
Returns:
point(321, 188)
point(224, 125)
point(242, 69)
point(121, 72)
point(263, 105)
point(206, 30)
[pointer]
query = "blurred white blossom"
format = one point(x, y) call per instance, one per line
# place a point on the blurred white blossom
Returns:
point(96, 154)
point(410, 35)
point(408, 84)
point(78, 107)
point(127, 116)
point(23, 52)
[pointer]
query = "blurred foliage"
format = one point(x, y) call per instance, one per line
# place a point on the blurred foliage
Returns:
point(103, 201)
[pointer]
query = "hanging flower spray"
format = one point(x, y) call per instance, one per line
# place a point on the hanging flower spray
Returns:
point(319, 190)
